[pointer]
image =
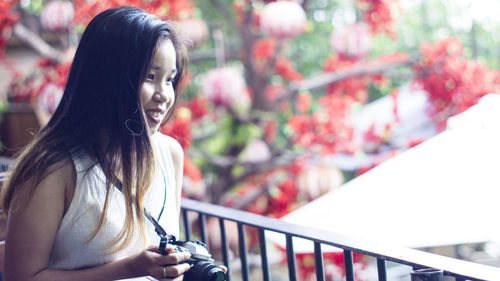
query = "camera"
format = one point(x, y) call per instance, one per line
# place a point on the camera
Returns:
point(202, 264)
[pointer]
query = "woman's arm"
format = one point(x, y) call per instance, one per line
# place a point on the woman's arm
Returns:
point(2, 254)
point(31, 230)
point(178, 159)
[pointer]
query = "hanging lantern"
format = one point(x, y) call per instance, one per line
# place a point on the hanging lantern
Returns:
point(57, 15)
point(352, 41)
point(225, 86)
point(256, 151)
point(318, 179)
point(49, 98)
point(283, 19)
point(194, 29)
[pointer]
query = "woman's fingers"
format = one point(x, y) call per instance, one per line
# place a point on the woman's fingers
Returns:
point(173, 271)
point(169, 249)
point(174, 258)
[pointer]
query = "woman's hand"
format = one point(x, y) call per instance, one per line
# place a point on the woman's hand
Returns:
point(151, 262)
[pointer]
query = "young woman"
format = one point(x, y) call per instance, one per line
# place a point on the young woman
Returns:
point(76, 196)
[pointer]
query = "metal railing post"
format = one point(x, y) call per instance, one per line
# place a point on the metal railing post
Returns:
point(225, 247)
point(263, 256)
point(427, 274)
point(290, 256)
point(349, 265)
point(458, 269)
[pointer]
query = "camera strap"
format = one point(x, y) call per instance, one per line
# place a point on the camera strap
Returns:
point(165, 238)
point(118, 185)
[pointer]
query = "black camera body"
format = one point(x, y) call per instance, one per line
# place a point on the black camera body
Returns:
point(202, 264)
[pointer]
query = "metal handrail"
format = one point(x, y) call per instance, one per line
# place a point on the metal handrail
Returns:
point(461, 270)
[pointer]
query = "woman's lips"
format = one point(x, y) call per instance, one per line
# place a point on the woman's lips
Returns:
point(155, 116)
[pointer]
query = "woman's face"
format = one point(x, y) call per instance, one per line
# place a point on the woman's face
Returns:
point(157, 90)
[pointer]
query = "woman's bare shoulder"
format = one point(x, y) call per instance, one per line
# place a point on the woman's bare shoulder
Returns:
point(34, 215)
point(173, 146)
point(57, 179)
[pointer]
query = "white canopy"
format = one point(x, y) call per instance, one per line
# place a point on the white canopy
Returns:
point(413, 124)
point(444, 191)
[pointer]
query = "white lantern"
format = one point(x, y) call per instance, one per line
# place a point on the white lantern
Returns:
point(318, 179)
point(49, 98)
point(57, 15)
point(225, 86)
point(255, 151)
point(352, 41)
point(194, 29)
point(283, 19)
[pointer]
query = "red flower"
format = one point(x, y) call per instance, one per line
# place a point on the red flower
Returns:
point(452, 82)
point(379, 15)
point(395, 110)
point(284, 67)
point(180, 127)
point(198, 107)
point(263, 49)
point(303, 103)
point(7, 19)
point(273, 91)
point(173, 9)
point(303, 129)
point(191, 170)
point(270, 131)
point(355, 87)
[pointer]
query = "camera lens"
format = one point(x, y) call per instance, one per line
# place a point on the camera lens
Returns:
point(205, 271)
point(216, 274)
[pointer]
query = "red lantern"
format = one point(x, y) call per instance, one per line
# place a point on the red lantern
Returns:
point(352, 41)
point(194, 29)
point(225, 87)
point(283, 19)
point(57, 15)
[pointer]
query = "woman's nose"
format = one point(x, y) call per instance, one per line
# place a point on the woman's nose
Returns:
point(161, 94)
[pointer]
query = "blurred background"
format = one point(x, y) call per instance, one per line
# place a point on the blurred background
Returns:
point(285, 101)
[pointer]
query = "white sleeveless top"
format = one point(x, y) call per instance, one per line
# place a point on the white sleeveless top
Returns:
point(72, 250)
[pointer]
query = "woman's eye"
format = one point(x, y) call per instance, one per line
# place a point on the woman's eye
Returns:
point(151, 76)
point(170, 80)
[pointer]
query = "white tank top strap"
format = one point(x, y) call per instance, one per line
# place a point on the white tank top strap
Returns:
point(164, 187)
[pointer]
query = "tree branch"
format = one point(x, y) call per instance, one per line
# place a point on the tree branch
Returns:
point(210, 55)
point(224, 10)
point(216, 160)
point(268, 69)
point(37, 43)
point(252, 168)
point(324, 79)
point(304, 4)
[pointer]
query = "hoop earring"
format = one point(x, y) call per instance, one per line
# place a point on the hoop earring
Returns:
point(129, 124)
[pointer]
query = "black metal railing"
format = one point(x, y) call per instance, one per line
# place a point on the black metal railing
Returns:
point(459, 269)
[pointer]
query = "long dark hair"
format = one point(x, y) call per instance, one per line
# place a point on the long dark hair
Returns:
point(100, 112)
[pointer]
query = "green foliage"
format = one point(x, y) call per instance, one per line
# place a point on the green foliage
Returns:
point(434, 20)
point(219, 142)
point(34, 6)
point(310, 49)
point(244, 133)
